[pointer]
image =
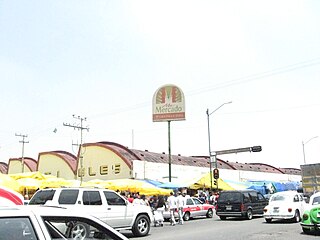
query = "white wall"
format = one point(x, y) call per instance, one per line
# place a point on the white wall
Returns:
point(181, 173)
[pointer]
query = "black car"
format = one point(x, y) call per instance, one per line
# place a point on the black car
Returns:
point(240, 203)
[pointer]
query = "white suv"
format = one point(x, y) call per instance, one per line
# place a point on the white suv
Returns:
point(107, 205)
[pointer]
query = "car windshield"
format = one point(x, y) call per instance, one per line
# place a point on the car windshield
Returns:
point(280, 198)
point(41, 197)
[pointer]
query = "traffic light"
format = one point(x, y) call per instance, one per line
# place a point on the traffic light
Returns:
point(256, 149)
point(216, 173)
point(215, 182)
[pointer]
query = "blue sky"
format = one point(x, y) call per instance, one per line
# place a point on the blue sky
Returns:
point(104, 60)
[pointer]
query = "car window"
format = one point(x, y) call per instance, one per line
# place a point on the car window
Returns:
point(246, 197)
point(279, 197)
point(189, 202)
point(113, 198)
point(197, 201)
point(12, 228)
point(253, 196)
point(261, 197)
point(68, 196)
point(316, 200)
point(91, 198)
point(230, 197)
point(61, 227)
point(41, 197)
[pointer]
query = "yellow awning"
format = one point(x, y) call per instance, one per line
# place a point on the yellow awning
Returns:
point(205, 182)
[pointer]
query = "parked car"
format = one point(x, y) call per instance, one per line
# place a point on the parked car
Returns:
point(310, 222)
point(285, 205)
point(105, 204)
point(240, 203)
point(30, 223)
point(194, 208)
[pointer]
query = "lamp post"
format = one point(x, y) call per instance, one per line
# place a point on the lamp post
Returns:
point(304, 143)
point(209, 140)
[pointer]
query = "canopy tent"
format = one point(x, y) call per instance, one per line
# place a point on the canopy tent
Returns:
point(153, 182)
point(171, 185)
point(9, 182)
point(130, 185)
point(205, 182)
point(9, 197)
point(59, 182)
point(237, 185)
point(34, 175)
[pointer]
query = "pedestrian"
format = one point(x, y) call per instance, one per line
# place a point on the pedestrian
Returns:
point(159, 207)
point(130, 198)
point(172, 204)
point(181, 202)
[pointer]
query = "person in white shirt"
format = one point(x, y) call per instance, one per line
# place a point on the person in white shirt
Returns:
point(172, 204)
point(181, 201)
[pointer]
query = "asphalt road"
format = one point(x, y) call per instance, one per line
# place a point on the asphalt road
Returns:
point(203, 229)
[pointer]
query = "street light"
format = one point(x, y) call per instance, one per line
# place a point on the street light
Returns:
point(304, 143)
point(208, 119)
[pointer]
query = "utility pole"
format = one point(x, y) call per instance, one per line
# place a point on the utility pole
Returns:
point(81, 128)
point(23, 142)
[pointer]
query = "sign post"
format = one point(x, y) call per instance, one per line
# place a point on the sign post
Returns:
point(168, 105)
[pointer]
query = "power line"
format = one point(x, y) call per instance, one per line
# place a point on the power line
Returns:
point(236, 81)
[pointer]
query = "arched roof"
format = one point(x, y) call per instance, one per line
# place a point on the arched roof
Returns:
point(3, 168)
point(121, 151)
point(69, 158)
point(29, 162)
point(128, 155)
point(293, 171)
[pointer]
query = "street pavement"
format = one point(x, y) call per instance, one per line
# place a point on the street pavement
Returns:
point(205, 229)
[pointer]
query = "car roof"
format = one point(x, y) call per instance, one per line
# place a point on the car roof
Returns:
point(239, 191)
point(289, 192)
point(76, 188)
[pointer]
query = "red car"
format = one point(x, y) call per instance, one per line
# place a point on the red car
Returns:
point(194, 208)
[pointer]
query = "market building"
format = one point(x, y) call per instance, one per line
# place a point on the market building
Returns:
point(109, 160)
point(18, 165)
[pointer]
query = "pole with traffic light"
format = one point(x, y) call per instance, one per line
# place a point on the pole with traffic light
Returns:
point(209, 141)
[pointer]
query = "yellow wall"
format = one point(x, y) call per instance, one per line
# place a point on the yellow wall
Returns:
point(50, 164)
point(102, 163)
point(15, 166)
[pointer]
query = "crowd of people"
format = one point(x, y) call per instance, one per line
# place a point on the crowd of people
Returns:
point(173, 203)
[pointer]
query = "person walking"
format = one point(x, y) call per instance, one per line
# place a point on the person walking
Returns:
point(159, 207)
point(181, 202)
point(172, 204)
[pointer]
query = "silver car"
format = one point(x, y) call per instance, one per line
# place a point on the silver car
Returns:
point(42, 223)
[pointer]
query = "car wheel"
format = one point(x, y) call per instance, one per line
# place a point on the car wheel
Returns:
point(79, 231)
point(268, 220)
point(296, 217)
point(306, 230)
point(249, 214)
point(209, 213)
point(186, 216)
point(223, 218)
point(141, 226)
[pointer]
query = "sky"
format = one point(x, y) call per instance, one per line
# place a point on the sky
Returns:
point(104, 59)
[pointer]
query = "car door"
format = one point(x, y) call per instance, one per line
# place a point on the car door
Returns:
point(120, 213)
point(92, 203)
point(300, 203)
point(200, 209)
point(191, 207)
point(254, 202)
point(262, 202)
